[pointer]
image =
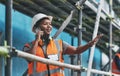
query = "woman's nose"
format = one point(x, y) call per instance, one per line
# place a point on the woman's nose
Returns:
point(49, 25)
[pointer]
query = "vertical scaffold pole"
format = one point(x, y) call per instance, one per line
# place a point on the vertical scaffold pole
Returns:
point(94, 35)
point(8, 36)
point(79, 57)
point(79, 6)
point(110, 35)
point(72, 56)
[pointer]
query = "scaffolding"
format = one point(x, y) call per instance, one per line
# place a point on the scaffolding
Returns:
point(9, 52)
point(4, 51)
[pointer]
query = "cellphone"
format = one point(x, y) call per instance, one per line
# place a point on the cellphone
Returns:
point(37, 30)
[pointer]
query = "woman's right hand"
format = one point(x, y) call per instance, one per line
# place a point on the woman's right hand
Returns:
point(38, 35)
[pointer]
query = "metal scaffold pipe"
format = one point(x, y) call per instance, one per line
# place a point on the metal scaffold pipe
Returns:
point(31, 57)
point(4, 51)
point(110, 35)
point(8, 36)
point(47, 61)
point(79, 6)
point(94, 35)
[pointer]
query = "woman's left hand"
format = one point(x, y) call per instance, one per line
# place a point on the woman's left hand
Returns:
point(95, 40)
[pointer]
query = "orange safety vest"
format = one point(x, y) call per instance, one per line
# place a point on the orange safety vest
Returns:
point(52, 52)
point(114, 66)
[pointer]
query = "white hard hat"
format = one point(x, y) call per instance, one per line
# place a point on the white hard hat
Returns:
point(38, 17)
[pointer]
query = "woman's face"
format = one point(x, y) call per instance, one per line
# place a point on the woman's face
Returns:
point(46, 26)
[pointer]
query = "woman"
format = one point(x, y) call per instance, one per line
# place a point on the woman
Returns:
point(46, 47)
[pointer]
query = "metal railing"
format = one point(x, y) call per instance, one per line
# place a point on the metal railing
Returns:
point(4, 51)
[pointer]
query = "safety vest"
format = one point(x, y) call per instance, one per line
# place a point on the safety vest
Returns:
point(54, 52)
point(114, 66)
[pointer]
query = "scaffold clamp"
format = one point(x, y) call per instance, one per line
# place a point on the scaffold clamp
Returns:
point(78, 6)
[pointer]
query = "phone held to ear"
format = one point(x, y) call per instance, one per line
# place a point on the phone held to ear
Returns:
point(37, 30)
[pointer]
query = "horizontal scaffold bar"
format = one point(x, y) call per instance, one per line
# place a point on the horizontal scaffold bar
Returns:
point(31, 57)
point(4, 51)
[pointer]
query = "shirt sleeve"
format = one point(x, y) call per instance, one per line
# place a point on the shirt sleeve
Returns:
point(65, 45)
point(117, 61)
